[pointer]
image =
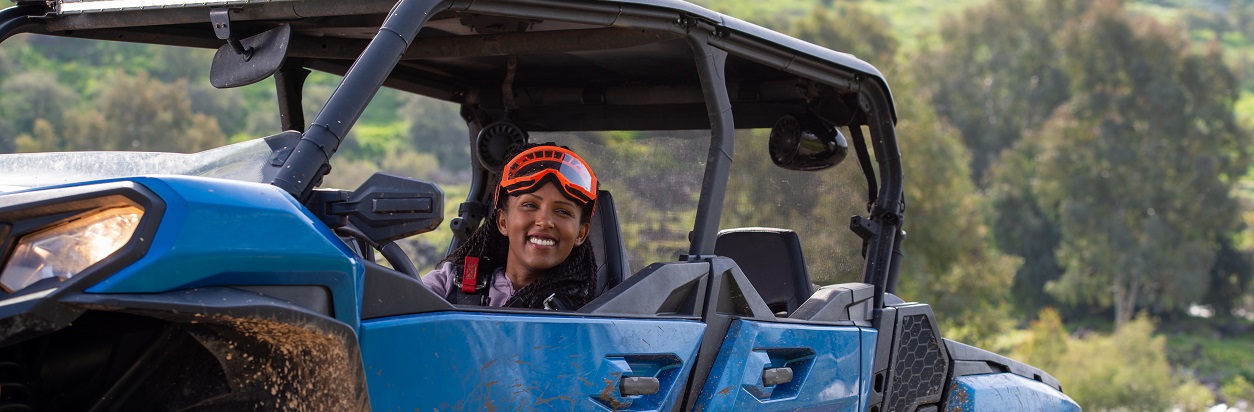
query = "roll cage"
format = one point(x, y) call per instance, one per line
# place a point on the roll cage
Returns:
point(546, 65)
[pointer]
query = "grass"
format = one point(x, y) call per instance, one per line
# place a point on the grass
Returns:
point(1213, 358)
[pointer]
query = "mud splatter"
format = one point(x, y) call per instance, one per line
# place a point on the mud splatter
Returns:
point(282, 366)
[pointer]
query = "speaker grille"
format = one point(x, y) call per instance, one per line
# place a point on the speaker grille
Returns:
point(919, 365)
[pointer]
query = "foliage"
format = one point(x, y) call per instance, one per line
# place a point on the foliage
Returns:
point(1238, 390)
point(994, 77)
point(1155, 121)
point(25, 99)
point(1021, 227)
point(436, 127)
point(1046, 345)
point(1126, 370)
point(1048, 129)
point(132, 112)
point(1161, 147)
point(1211, 356)
point(848, 28)
point(1230, 277)
point(373, 141)
point(1192, 396)
point(949, 262)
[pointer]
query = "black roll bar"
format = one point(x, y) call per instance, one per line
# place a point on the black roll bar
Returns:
point(309, 160)
point(888, 210)
point(19, 19)
point(710, 63)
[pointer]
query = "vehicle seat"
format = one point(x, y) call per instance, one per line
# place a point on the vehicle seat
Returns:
point(607, 244)
point(773, 262)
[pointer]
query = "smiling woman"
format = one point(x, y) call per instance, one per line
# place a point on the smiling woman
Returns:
point(535, 255)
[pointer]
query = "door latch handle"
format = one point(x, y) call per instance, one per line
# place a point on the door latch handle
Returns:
point(643, 385)
point(776, 376)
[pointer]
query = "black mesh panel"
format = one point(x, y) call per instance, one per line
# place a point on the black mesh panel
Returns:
point(920, 366)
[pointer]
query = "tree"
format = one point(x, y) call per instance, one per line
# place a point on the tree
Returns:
point(1137, 168)
point(1126, 370)
point(949, 261)
point(1230, 277)
point(1022, 228)
point(436, 127)
point(25, 99)
point(995, 74)
point(140, 113)
point(848, 28)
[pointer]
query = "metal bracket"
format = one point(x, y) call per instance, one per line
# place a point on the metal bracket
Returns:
point(890, 217)
point(686, 22)
point(221, 20)
point(863, 227)
point(469, 216)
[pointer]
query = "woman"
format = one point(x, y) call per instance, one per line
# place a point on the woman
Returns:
point(532, 251)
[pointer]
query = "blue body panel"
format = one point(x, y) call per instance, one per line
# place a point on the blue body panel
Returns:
point(1005, 392)
point(486, 361)
point(828, 363)
point(869, 338)
point(226, 233)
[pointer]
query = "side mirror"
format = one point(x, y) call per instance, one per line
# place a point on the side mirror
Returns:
point(387, 208)
point(244, 62)
point(806, 143)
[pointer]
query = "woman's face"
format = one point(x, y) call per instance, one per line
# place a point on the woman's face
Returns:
point(542, 227)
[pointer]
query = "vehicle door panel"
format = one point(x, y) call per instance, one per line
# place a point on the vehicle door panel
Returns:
point(828, 366)
point(474, 360)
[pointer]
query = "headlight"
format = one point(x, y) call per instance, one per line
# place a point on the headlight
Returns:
point(65, 250)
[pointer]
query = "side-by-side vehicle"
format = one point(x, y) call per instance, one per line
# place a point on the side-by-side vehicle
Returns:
point(230, 279)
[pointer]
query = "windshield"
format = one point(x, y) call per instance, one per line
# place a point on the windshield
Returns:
point(240, 161)
point(655, 180)
point(816, 205)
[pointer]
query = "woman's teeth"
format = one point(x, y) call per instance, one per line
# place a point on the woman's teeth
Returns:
point(541, 242)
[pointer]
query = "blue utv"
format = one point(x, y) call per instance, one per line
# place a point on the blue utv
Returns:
point(230, 280)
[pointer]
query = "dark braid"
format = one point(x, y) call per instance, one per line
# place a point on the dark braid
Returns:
point(485, 242)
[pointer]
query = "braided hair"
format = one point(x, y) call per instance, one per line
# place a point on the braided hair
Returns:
point(574, 279)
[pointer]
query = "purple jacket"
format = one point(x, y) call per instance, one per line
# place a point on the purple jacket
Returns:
point(441, 279)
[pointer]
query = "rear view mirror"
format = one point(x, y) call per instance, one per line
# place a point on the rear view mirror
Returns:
point(244, 62)
point(806, 143)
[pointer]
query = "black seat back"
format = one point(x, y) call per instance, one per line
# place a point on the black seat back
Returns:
point(773, 262)
point(607, 244)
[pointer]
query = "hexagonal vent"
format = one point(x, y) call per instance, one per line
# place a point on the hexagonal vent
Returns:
point(920, 365)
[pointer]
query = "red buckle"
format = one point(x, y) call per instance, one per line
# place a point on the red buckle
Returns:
point(470, 274)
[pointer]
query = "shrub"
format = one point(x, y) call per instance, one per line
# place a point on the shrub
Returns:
point(1126, 370)
point(1237, 390)
point(1192, 396)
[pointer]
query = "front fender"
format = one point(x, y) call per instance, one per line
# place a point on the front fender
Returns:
point(225, 233)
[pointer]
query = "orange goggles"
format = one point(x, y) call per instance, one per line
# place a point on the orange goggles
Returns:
point(525, 173)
